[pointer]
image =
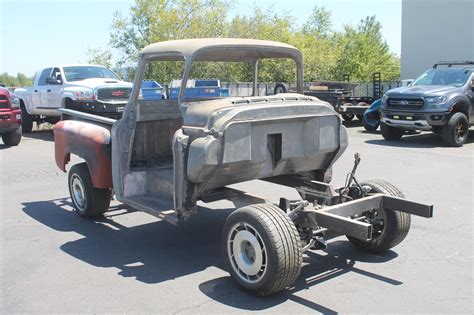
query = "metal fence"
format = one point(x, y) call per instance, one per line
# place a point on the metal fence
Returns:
point(245, 88)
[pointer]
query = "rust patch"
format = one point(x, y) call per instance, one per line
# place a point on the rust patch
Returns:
point(90, 142)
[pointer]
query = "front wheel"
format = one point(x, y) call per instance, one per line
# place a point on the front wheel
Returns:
point(369, 126)
point(389, 227)
point(391, 133)
point(88, 201)
point(12, 138)
point(26, 121)
point(456, 131)
point(261, 248)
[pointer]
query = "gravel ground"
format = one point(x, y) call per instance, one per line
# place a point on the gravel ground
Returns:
point(54, 261)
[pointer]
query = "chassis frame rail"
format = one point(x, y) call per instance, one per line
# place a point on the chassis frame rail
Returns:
point(337, 218)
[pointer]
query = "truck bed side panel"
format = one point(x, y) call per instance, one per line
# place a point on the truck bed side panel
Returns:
point(88, 141)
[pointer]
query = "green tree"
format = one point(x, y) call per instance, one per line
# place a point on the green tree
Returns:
point(99, 56)
point(363, 52)
point(319, 23)
point(12, 81)
point(358, 51)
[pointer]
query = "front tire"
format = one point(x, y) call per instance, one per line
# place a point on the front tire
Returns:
point(456, 131)
point(261, 248)
point(390, 227)
point(391, 133)
point(26, 121)
point(12, 138)
point(88, 201)
point(368, 126)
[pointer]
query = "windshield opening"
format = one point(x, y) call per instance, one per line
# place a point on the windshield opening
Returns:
point(214, 79)
point(79, 73)
point(452, 77)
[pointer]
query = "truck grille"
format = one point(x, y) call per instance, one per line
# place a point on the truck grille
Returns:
point(4, 103)
point(405, 103)
point(113, 94)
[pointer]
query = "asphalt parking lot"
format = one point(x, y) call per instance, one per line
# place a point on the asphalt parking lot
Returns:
point(54, 261)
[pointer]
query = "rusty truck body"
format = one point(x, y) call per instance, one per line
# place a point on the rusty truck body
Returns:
point(163, 156)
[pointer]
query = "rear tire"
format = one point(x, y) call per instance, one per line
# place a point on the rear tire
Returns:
point(12, 138)
point(391, 133)
point(347, 117)
point(456, 131)
point(26, 121)
point(88, 201)
point(390, 227)
point(279, 88)
point(261, 248)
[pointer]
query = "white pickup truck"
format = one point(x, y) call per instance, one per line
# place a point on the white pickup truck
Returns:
point(87, 88)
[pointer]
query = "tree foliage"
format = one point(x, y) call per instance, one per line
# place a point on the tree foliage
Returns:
point(358, 51)
point(99, 56)
point(12, 81)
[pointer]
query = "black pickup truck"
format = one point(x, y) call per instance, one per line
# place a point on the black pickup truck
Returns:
point(440, 100)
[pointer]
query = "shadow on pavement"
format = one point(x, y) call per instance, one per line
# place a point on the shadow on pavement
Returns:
point(353, 123)
point(46, 135)
point(424, 140)
point(159, 251)
point(4, 146)
point(340, 258)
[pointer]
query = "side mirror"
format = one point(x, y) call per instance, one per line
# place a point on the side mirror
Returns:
point(53, 81)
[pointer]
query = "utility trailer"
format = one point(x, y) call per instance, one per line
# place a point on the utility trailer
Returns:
point(340, 96)
point(163, 156)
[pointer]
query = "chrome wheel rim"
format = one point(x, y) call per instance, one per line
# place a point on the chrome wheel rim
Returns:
point(78, 192)
point(247, 253)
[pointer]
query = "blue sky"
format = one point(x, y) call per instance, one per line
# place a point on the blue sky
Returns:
point(37, 33)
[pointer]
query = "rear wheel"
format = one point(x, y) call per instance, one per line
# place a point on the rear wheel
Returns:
point(12, 138)
point(261, 248)
point(26, 121)
point(347, 117)
point(279, 88)
point(391, 133)
point(456, 131)
point(88, 201)
point(389, 227)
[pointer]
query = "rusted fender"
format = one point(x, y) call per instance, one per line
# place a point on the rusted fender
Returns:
point(88, 141)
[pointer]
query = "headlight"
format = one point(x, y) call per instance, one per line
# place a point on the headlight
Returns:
point(384, 99)
point(15, 102)
point(84, 95)
point(435, 100)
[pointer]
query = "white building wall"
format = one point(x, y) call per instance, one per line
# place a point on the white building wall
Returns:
point(435, 30)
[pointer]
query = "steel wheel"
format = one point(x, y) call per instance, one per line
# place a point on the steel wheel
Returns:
point(460, 131)
point(261, 248)
point(389, 227)
point(88, 201)
point(247, 253)
point(78, 192)
point(377, 218)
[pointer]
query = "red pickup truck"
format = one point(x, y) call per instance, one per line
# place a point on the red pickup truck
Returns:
point(10, 118)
